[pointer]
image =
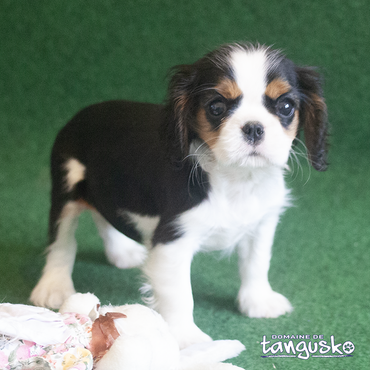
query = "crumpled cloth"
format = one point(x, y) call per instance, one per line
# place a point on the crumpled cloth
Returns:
point(33, 323)
point(37, 338)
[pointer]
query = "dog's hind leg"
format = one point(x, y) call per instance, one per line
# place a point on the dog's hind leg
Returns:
point(56, 282)
point(120, 250)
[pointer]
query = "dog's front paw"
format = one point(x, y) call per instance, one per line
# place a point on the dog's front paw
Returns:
point(186, 335)
point(263, 303)
point(52, 290)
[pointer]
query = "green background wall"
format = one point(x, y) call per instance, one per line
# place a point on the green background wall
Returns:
point(59, 56)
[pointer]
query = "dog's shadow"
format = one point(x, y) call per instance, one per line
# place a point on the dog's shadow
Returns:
point(214, 301)
point(215, 282)
point(93, 273)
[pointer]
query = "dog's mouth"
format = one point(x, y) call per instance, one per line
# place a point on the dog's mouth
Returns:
point(256, 154)
point(256, 159)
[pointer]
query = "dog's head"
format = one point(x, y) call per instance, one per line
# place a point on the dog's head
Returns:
point(247, 104)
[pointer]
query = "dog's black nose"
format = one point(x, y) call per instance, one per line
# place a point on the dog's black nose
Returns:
point(253, 132)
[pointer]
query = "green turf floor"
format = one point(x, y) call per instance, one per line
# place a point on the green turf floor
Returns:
point(58, 56)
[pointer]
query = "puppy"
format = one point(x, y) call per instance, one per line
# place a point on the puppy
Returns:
point(204, 171)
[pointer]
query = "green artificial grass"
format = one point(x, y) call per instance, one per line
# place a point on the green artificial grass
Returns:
point(59, 56)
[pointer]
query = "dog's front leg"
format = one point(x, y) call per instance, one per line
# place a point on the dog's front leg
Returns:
point(168, 271)
point(256, 297)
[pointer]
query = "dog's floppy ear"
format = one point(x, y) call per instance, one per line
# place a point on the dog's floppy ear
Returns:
point(313, 117)
point(180, 110)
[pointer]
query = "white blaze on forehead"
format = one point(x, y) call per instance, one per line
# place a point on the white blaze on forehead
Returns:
point(250, 73)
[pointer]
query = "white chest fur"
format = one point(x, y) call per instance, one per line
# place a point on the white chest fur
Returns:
point(238, 200)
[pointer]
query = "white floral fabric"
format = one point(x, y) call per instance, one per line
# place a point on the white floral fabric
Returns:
point(73, 354)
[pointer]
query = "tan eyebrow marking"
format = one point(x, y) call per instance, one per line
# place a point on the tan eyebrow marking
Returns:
point(228, 89)
point(277, 88)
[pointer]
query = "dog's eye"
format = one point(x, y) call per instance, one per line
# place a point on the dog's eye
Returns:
point(217, 108)
point(285, 108)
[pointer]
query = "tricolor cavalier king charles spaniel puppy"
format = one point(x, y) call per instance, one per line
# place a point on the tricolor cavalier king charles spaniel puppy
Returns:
point(204, 171)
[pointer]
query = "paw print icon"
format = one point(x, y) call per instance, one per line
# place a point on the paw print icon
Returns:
point(348, 347)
